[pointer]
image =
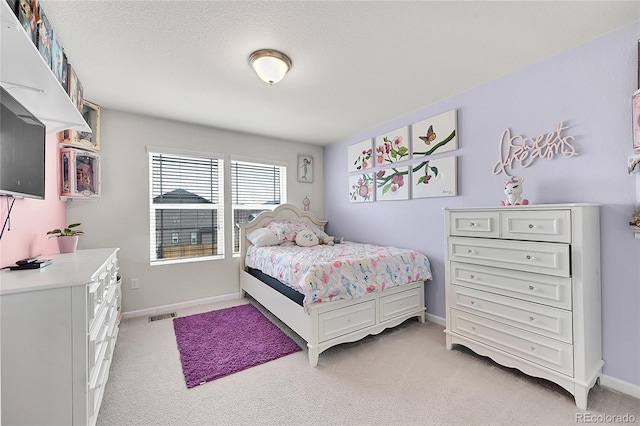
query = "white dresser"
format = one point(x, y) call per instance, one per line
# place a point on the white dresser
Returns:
point(59, 326)
point(523, 287)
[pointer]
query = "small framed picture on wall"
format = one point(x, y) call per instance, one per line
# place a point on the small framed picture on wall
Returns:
point(636, 121)
point(305, 168)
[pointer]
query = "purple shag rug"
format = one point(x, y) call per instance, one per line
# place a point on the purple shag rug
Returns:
point(218, 343)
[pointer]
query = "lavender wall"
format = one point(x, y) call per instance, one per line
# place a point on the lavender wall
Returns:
point(588, 88)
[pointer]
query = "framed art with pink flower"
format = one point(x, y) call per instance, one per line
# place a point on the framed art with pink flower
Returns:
point(361, 188)
point(434, 135)
point(435, 178)
point(360, 156)
point(636, 121)
point(392, 183)
point(392, 147)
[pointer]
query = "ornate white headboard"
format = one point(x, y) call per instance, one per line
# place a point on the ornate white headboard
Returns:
point(282, 212)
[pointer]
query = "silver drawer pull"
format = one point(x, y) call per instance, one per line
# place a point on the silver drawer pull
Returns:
point(472, 302)
point(472, 224)
point(531, 287)
point(532, 319)
point(533, 348)
point(528, 257)
point(531, 226)
point(469, 251)
point(473, 277)
point(473, 328)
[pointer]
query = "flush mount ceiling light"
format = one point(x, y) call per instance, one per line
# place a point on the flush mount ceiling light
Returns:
point(270, 65)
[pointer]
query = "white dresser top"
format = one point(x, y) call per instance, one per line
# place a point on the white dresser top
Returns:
point(526, 207)
point(67, 269)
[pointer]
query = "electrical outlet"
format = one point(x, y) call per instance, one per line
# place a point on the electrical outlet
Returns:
point(135, 283)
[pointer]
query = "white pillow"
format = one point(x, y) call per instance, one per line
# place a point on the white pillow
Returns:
point(263, 237)
point(306, 238)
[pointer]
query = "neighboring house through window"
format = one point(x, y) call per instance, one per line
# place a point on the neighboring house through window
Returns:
point(186, 207)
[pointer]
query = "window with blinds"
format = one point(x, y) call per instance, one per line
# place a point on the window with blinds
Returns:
point(186, 208)
point(255, 188)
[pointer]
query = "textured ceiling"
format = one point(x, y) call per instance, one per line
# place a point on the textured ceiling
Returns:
point(356, 64)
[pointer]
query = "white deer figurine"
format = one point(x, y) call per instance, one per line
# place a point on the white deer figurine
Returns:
point(513, 190)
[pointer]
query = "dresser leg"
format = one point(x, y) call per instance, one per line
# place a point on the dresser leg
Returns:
point(581, 395)
point(449, 345)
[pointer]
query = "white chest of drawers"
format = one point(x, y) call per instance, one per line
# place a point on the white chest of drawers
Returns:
point(523, 287)
point(58, 331)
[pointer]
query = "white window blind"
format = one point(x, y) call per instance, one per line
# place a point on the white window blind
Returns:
point(186, 207)
point(255, 187)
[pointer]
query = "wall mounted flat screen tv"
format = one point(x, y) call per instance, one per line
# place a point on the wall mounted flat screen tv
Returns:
point(22, 150)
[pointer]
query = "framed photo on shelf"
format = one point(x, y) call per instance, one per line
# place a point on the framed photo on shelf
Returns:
point(45, 34)
point(85, 140)
point(80, 173)
point(72, 84)
point(305, 168)
point(27, 19)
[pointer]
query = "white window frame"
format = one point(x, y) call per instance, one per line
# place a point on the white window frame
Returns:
point(234, 207)
point(220, 206)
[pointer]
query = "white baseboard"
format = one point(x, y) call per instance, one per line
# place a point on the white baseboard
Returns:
point(175, 306)
point(620, 386)
point(438, 320)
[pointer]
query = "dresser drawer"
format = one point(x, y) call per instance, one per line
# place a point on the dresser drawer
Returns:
point(474, 224)
point(541, 350)
point(554, 225)
point(95, 294)
point(346, 320)
point(544, 320)
point(546, 289)
point(398, 304)
point(544, 258)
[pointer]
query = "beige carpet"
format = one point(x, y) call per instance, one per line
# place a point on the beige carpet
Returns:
point(403, 376)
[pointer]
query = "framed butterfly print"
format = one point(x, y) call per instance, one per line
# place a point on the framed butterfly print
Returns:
point(392, 147)
point(435, 135)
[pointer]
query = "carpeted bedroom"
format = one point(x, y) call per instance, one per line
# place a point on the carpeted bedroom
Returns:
point(402, 376)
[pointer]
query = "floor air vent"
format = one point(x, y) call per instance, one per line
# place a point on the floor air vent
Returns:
point(162, 316)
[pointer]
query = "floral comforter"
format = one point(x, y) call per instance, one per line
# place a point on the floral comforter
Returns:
point(345, 271)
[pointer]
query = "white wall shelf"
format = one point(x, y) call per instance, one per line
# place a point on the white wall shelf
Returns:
point(26, 76)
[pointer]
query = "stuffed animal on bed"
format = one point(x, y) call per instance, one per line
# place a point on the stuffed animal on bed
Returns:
point(513, 190)
point(310, 238)
point(307, 238)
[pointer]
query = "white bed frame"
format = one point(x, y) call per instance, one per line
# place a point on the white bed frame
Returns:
point(329, 323)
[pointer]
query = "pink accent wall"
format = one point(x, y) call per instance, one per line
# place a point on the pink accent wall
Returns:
point(31, 219)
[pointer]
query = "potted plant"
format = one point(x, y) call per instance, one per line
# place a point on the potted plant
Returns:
point(67, 237)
